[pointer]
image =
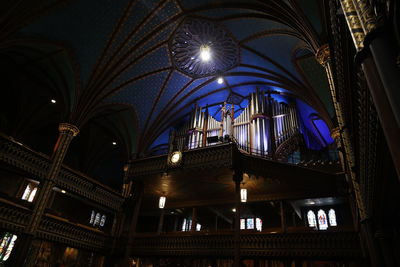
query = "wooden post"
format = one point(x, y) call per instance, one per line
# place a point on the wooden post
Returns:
point(283, 217)
point(237, 178)
point(160, 222)
point(194, 220)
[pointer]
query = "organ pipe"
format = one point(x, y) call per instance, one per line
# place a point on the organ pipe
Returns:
point(258, 129)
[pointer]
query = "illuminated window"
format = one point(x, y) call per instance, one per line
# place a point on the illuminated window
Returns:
point(92, 217)
point(250, 223)
point(242, 224)
point(184, 225)
point(189, 225)
point(30, 192)
point(97, 219)
point(311, 219)
point(198, 227)
point(7, 245)
point(258, 224)
point(332, 217)
point(102, 220)
point(322, 221)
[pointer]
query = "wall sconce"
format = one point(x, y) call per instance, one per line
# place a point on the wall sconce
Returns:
point(243, 195)
point(161, 202)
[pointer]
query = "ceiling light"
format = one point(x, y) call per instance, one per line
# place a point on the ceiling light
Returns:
point(63, 191)
point(234, 210)
point(220, 80)
point(205, 53)
point(53, 101)
point(114, 143)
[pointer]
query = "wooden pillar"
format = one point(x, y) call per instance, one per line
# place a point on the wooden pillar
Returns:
point(381, 71)
point(194, 220)
point(66, 133)
point(283, 217)
point(237, 178)
point(138, 195)
point(160, 222)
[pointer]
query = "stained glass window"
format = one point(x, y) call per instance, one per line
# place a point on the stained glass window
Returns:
point(30, 192)
point(250, 223)
point(103, 220)
point(258, 224)
point(311, 219)
point(322, 221)
point(92, 217)
point(332, 217)
point(7, 245)
point(198, 227)
point(97, 219)
point(242, 224)
point(189, 226)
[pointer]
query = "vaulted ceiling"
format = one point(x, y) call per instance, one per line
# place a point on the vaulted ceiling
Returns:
point(112, 64)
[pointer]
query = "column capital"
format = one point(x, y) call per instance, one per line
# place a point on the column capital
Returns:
point(323, 54)
point(335, 133)
point(68, 128)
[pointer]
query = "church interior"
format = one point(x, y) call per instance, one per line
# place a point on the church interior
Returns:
point(204, 133)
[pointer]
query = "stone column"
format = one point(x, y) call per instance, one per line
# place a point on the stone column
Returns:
point(237, 178)
point(66, 133)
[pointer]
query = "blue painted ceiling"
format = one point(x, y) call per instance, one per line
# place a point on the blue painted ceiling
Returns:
point(120, 50)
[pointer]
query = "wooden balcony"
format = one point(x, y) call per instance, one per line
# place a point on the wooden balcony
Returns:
point(14, 217)
point(307, 244)
point(22, 157)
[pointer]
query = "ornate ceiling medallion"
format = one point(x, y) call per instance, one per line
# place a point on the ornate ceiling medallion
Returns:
point(201, 48)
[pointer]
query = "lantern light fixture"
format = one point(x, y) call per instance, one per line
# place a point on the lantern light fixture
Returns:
point(220, 80)
point(243, 195)
point(161, 202)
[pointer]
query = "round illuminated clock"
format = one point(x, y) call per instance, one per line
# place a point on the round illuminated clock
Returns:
point(176, 157)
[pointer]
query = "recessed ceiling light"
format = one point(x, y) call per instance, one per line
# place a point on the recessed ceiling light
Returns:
point(205, 53)
point(53, 101)
point(114, 143)
point(220, 80)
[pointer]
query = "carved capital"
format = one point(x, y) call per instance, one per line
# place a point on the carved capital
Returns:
point(68, 128)
point(323, 54)
point(335, 133)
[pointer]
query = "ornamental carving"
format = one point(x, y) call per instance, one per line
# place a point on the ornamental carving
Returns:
point(194, 34)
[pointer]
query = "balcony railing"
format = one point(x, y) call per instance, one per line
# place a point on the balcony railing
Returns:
point(327, 245)
point(37, 164)
point(15, 217)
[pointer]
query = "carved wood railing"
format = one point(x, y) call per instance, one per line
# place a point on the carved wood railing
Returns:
point(14, 217)
point(327, 245)
point(288, 146)
point(200, 158)
point(37, 164)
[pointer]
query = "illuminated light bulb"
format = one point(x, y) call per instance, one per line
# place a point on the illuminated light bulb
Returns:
point(53, 101)
point(220, 80)
point(205, 53)
point(161, 202)
point(63, 191)
point(114, 143)
point(243, 195)
point(234, 210)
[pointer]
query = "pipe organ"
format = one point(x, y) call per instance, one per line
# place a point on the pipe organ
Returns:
point(260, 128)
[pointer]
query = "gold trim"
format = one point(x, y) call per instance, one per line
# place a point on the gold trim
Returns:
point(68, 129)
point(323, 54)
